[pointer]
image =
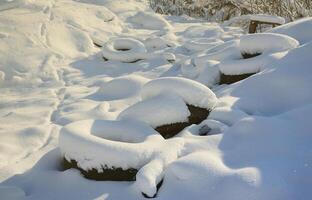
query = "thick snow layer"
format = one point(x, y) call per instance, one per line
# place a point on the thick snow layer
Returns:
point(300, 30)
point(227, 50)
point(210, 31)
point(77, 141)
point(192, 92)
point(126, 144)
point(291, 71)
point(255, 144)
point(119, 88)
point(260, 43)
point(206, 72)
point(149, 21)
point(245, 66)
point(266, 43)
point(268, 18)
point(158, 110)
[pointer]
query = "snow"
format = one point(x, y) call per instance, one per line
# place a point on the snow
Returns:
point(123, 49)
point(119, 88)
point(268, 18)
point(58, 97)
point(300, 30)
point(202, 44)
point(289, 72)
point(158, 110)
point(126, 144)
point(91, 150)
point(192, 92)
point(130, 50)
point(266, 43)
point(149, 21)
point(213, 31)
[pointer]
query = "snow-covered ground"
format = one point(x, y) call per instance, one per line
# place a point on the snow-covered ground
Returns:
point(53, 74)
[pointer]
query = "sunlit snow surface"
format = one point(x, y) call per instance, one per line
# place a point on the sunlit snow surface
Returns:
point(52, 75)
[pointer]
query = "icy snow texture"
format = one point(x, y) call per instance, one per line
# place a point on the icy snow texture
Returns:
point(192, 92)
point(158, 110)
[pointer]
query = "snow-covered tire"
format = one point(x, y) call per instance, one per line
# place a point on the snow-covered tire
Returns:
point(98, 149)
point(124, 50)
point(170, 104)
point(256, 51)
point(192, 92)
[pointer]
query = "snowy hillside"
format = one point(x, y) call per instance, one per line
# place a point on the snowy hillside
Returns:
point(103, 85)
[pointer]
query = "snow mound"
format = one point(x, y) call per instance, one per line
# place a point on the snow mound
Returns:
point(82, 110)
point(206, 72)
point(200, 44)
point(252, 45)
point(158, 110)
point(290, 71)
point(207, 127)
point(157, 43)
point(300, 30)
point(123, 49)
point(208, 31)
point(209, 73)
point(149, 21)
point(192, 92)
point(227, 50)
point(119, 130)
point(120, 88)
point(215, 178)
point(266, 43)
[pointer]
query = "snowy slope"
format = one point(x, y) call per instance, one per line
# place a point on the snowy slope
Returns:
point(52, 75)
